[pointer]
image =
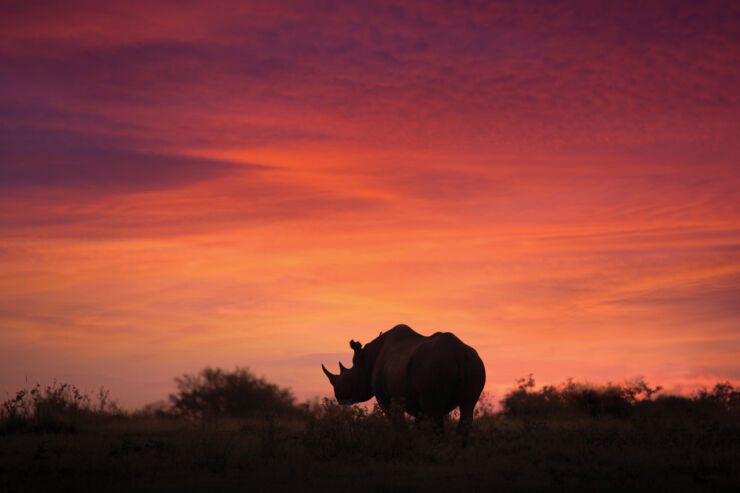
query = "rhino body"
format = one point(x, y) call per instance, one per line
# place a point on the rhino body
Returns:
point(428, 376)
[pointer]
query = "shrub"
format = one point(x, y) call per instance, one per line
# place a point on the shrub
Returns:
point(724, 396)
point(235, 394)
point(575, 399)
point(57, 407)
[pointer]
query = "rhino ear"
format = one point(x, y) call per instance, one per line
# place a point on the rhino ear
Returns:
point(356, 346)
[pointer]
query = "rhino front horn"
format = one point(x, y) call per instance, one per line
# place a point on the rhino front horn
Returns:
point(329, 374)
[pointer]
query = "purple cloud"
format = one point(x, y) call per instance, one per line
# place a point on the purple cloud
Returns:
point(39, 158)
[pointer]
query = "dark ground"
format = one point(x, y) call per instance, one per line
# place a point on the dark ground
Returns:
point(347, 453)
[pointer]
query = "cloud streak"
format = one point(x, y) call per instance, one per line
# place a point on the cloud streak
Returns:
point(41, 158)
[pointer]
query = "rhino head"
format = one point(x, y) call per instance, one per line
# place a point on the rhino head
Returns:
point(352, 385)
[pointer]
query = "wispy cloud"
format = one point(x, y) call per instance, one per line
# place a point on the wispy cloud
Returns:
point(41, 158)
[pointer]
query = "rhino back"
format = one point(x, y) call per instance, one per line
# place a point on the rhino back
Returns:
point(389, 376)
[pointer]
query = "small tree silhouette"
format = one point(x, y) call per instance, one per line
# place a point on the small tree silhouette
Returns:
point(236, 394)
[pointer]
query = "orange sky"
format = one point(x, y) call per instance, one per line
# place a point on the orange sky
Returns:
point(256, 184)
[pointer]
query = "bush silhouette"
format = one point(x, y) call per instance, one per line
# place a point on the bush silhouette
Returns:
point(724, 396)
point(575, 399)
point(56, 407)
point(236, 394)
point(633, 398)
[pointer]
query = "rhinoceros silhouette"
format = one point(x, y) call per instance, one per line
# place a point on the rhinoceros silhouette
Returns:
point(427, 376)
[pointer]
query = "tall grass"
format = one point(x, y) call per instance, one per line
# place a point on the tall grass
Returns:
point(56, 407)
point(543, 439)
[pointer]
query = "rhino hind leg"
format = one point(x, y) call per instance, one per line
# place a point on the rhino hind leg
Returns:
point(471, 388)
point(466, 421)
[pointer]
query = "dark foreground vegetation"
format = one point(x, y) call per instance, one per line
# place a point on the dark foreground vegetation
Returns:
point(231, 431)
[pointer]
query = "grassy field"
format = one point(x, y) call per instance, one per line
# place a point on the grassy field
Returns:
point(368, 454)
point(567, 438)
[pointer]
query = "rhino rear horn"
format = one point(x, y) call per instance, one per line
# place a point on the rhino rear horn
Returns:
point(332, 377)
point(342, 369)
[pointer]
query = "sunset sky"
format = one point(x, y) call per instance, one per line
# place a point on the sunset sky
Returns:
point(191, 183)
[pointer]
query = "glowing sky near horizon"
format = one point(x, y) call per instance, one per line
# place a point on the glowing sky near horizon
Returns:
point(255, 183)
